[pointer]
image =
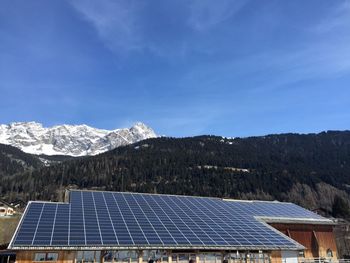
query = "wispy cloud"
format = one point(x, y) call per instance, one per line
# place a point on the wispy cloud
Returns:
point(338, 18)
point(206, 14)
point(123, 25)
point(114, 21)
point(325, 54)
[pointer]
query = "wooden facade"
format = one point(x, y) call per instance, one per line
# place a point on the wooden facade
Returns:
point(319, 240)
point(171, 257)
point(6, 209)
point(29, 256)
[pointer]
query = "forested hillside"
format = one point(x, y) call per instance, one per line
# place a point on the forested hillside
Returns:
point(13, 160)
point(312, 170)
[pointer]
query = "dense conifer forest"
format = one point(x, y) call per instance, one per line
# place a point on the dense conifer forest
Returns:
point(312, 170)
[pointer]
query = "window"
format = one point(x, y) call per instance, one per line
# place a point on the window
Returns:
point(88, 256)
point(212, 258)
point(51, 256)
point(155, 255)
point(121, 256)
point(108, 257)
point(133, 256)
point(148, 255)
point(42, 256)
point(329, 253)
point(183, 258)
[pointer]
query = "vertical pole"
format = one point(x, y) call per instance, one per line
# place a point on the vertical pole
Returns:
point(197, 256)
point(140, 254)
point(170, 256)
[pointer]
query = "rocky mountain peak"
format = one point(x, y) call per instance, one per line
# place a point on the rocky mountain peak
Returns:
point(74, 140)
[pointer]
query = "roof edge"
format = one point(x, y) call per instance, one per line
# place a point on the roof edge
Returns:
point(264, 248)
point(288, 220)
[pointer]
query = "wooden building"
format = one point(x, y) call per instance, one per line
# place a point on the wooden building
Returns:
point(6, 209)
point(116, 227)
point(318, 240)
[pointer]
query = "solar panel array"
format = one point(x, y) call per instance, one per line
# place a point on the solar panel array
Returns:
point(109, 219)
point(274, 209)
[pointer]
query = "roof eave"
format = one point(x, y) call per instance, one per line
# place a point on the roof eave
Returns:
point(235, 248)
point(296, 220)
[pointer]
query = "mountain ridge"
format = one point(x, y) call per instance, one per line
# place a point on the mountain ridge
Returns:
point(72, 140)
point(310, 170)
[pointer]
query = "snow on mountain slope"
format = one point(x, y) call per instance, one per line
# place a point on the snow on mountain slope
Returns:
point(74, 140)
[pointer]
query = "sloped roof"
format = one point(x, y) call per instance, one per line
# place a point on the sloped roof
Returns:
point(114, 220)
point(2, 202)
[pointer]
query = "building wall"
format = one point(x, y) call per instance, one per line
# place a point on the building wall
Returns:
point(172, 257)
point(6, 211)
point(316, 238)
point(28, 256)
point(276, 257)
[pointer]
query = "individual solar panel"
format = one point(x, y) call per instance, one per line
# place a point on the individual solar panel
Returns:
point(111, 219)
point(43, 232)
point(92, 226)
point(76, 220)
point(61, 227)
point(104, 217)
point(29, 224)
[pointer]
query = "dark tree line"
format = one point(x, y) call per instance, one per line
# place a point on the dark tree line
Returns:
point(203, 165)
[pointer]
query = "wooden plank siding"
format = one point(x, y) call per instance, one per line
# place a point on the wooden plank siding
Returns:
point(276, 257)
point(28, 256)
point(316, 238)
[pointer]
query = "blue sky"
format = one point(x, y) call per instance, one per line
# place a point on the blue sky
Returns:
point(184, 67)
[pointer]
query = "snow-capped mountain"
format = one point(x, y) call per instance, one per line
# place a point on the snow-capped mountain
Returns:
point(74, 140)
